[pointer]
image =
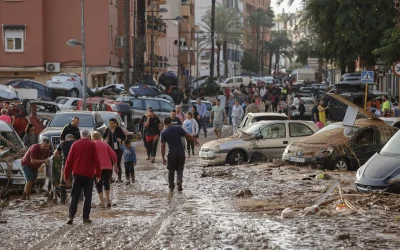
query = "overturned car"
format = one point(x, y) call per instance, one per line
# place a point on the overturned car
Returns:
point(11, 152)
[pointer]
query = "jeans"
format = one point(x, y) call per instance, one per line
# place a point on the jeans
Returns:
point(129, 169)
point(235, 124)
point(81, 183)
point(152, 147)
point(189, 145)
point(175, 163)
point(105, 180)
point(146, 145)
point(119, 154)
point(230, 115)
point(203, 121)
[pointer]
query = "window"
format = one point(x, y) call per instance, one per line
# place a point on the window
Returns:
point(274, 131)
point(61, 101)
point(166, 107)
point(47, 108)
point(153, 104)
point(39, 87)
point(14, 40)
point(239, 79)
point(298, 129)
point(137, 104)
point(229, 81)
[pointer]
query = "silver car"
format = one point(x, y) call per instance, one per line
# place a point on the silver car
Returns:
point(67, 84)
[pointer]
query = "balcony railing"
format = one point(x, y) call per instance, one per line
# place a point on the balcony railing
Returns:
point(158, 62)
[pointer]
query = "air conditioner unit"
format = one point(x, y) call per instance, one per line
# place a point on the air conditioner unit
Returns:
point(120, 42)
point(53, 67)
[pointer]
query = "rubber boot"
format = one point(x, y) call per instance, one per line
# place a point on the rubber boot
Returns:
point(102, 205)
point(107, 192)
point(133, 177)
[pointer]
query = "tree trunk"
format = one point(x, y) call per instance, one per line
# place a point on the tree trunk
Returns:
point(218, 58)
point(351, 67)
point(212, 38)
point(277, 59)
point(320, 60)
point(262, 61)
point(342, 63)
point(141, 40)
point(224, 53)
point(126, 44)
point(270, 63)
point(257, 54)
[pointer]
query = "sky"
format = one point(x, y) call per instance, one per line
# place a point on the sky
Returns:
point(278, 9)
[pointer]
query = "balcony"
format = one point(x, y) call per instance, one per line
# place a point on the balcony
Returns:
point(157, 25)
point(160, 63)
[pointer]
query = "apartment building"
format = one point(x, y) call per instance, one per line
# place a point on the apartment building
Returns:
point(35, 32)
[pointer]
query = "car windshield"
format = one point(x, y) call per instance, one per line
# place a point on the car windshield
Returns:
point(60, 120)
point(12, 138)
point(107, 116)
point(347, 131)
point(391, 148)
point(254, 128)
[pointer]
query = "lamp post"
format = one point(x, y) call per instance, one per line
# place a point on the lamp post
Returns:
point(74, 43)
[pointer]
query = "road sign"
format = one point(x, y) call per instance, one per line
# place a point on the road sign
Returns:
point(367, 76)
point(396, 68)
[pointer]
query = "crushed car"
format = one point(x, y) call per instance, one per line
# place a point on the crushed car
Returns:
point(381, 173)
point(12, 151)
point(259, 141)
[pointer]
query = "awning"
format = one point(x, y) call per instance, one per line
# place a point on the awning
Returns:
point(14, 26)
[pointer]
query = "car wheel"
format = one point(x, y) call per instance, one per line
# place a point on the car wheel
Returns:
point(342, 164)
point(73, 93)
point(237, 157)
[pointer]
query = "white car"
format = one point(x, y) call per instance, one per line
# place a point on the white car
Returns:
point(67, 103)
point(68, 84)
point(260, 141)
point(117, 88)
point(161, 94)
point(235, 81)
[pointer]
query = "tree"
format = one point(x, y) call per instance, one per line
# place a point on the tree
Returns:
point(227, 28)
point(304, 49)
point(126, 44)
point(141, 40)
point(249, 62)
point(280, 45)
point(212, 26)
point(389, 51)
point(260, 19)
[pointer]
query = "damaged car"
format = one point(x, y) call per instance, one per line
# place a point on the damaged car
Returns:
point(259, 141)
point(342, 147)
point(381, 173)
point(12, 151)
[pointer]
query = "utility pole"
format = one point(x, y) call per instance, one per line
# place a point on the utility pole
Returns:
point(126, 44)
point(134, 40)
point(83, 54)
point(152, 45)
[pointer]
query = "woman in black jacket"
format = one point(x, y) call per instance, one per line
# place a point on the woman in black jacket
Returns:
point(114, 136)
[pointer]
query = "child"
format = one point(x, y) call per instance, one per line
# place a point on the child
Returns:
point(129, 161)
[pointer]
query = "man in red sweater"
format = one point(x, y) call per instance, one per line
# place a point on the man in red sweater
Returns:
point(84, 163)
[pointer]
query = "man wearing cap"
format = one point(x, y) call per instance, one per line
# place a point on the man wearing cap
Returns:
point(218, 114)
point(237, 115)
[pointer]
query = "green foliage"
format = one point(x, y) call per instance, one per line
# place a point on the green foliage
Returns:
point(280, 45)
point(304, 49)
point(389, 51)
point(249, 62)
point(210, 89)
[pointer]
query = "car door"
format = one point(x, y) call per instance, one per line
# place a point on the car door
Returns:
point(100, 126)
point(274, 140)
point(41, 89)
point(298, 131)
point(238, 82)
point(229, 83)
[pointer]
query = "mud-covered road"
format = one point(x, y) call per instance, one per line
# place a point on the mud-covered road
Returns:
point(212, 213)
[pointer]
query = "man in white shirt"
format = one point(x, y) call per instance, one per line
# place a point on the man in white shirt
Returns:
point(237, 115)
point(263, 91)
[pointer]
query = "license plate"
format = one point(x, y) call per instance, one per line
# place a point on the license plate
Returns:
point(18, 182)
point(297, 159)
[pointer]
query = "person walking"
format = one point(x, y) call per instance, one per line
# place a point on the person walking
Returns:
point(237, 115)
point(72, 129)
point(114, 136)
point(108, 161)
point(196, 116)
point(218, 114)
point(64, 149)
point(252, 108)
point(230, 104)
point(175, 161)
point(33, 159)
point(315, 112)
point(4, 117)
point(153, 130)
point(202, 109)
point(175, 120)
point(321, 112)
point(129, 161)
point(191, 127)
point(142, 130)
point(302, 108)
point(29, 138)
point(84, 163)
point(179, 113)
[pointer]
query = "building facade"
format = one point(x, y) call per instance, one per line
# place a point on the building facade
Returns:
point(33, 42)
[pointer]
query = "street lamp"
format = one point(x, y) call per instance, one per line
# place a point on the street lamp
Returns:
point(75, 43)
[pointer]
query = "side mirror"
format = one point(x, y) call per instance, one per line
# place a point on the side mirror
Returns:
point(45, 123)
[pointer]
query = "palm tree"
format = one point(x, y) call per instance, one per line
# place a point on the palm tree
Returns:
point(126, 44)
point(227, 28)
point(280, 45)
point(260, 19)
point(141, 40)
point(212, 26)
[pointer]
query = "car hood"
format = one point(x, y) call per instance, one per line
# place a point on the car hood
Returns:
point(375, 170)
point(230, 140)
point(52, 131)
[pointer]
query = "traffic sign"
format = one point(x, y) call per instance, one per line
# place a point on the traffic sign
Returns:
point(367, 76)
point(396, 68)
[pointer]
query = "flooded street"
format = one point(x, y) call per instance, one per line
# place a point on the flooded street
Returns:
point(212, 213)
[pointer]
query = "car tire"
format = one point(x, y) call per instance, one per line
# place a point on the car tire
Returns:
point(236, 157)
point(342, 164)
point(73, 93)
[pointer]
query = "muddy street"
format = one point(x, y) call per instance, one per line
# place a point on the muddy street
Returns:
point(220, 208)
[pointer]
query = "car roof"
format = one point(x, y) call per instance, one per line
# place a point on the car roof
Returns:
point(4, 126)
point(285, 121)
point(266, 114)
point(76, 112)
point(106, 112)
